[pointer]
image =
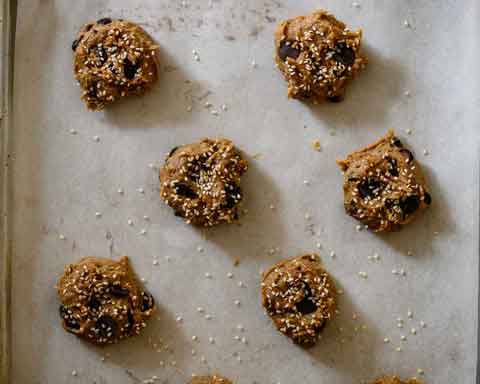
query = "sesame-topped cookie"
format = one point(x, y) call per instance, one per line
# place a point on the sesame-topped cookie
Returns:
point(201, 181)
point(215, 379)
point(113, 59)
point(383, 185)
point(300, 297)
point(318, 55)
point(395, 380)
point(101, 300)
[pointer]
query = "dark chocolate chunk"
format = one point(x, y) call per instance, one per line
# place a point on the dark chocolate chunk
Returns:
point(69, 321)
point(396, 142)
point(286, 50)
point(88, 27)
point(75, 43)
point(147, 301)
point(106, 326)
point(369, 188)
point(101, 54)
point(307, 304)
point(344, 54)
point(183, 189)
point(119, 291)
point(104, 21)
point(129, 69)
point(233, 195)
point(94, 304)
point(427, 198)
point(173, 151)
point(392, 166)
point(407, 153)
point(409, 204)
point(335, 98)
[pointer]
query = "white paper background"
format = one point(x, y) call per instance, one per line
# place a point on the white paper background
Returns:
point(61, 180)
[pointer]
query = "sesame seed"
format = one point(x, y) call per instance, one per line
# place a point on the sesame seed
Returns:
point(425, 152)
point(73, 131)
point(208, 317)
point(130, 222)
point(211, 340)
point(406, 23)
point(120, 191)
point(253, 64)
point(200, 309)
point(318, 245)
point(143, 231)
point(237, 303)
point(307, 216)
point(423, 324)
point(363, 274)
point(230, 275)
point(410, 314)
point(399, 349)
point(306, 182)
point(96, 138)
point(407, 93)
point(240, 284)
point(224, 107)
point(355, 5)
point(386, 340)
point(413, 331)
point(179, 319)
point(403, 338)
point(155, 262)
point(61, 237)
point(141, 190)
point(189, 108)
point(208, 275)
point(194, 338)
point(74, 373)
point(420, 371)
point(98, 214)
point(409, 131)
point(200, 248)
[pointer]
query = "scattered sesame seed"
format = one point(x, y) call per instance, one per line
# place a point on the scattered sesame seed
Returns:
point(130, 222)
point(224, 107)
point(407, 93)
point(96, 138)
point(318, 245)
point(409, 131)
point(386, 340)
point(358, 227)
point(394, 272)
point(74, 373)
point(189, 108)
point(73, 131)
point(203, 359)
point(140, 190)
point(333, 254)
point(230, 275)
point(151, 165)
point(98, 214)
point(240, 284)
point(168, 258)
point(399, 349)
point(307, 216)
point(143, 280)
point(155, 262)
point(420, 371)
point(143, 231)
point(406, 23)
point(208, 317)
point(413, 331)
point(425, 152)
point(179, 319)
point(211, 340)
point(363, 274)
point(355, 5)
point(306, 182)
point(403, 272)
point(254, 64)
point(194, 352)
point(400, 325)
point(237, 303)
point(316, 145)
point(208, 275)
point(354, 316)
point(244, 340)
point(194, 338)
point(240, 327)
point(200, 248)
point(403, 338)
point(146, 218)
point(423, 324)
point(340, 291)
point(214, 112)
point(61, 237)
point(120, 191)
point(200, 309)
point(410, 314)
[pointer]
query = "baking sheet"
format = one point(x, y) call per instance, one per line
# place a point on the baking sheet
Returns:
point(420, 77)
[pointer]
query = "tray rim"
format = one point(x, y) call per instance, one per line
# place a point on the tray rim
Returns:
point(8, 12)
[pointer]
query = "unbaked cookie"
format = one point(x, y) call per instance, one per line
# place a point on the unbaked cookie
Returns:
point(318, 55)
point(102, 301)
point(215, 379)
point(300, 297)
point(383, 186)
point(395, 380)
point(201, 181)
point(113, 59)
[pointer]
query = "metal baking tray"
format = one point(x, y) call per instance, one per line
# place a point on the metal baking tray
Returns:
point(420, 77)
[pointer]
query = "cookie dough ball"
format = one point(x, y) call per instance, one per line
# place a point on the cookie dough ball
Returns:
point(395, 380)
point(299, 296)
point(318, 55)
point(209, 380)
point(383, 185)
point(113, 59)
point(201, 181)
point(102, 301)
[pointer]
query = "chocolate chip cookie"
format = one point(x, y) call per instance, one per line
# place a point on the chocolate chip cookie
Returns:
point(201, 181)
point(300, 297)
point(113, 59)
point(209, 380)
point(101, 300)
point(395, 380)
point(318, 56)
point(383, 186)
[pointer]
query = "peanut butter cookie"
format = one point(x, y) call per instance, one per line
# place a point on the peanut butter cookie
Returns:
point(318, 55)
point(102, 301)
point(113, 59)
point(300, 297)
point(383, 186)
point(201, 181)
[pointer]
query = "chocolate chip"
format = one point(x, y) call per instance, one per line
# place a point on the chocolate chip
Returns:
point(94, 304)
point(129, 69)
point(119, 291)
point(147, 301)
point(178, 213)
point(369, 188)
point(75, 43)
point(130, 320)
point(389, 203)
point(344, 54)
point(286, 50)
point(69, 322)
point(233, 195)
point(392, 166)
point(88, 27)
point(427, 198)
point(335, 98)
point(173, 151)
point(409, 204)
point(104, 21)
point(106, 326)
point(407, 153)
point(396, 142)
point(183, 189)
point(306, 305)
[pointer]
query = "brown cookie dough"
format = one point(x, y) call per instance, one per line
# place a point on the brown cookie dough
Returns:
point(201, 181)
point(318, 55)
point(215, 379)
point(102, 301)
point(113, 59)
point(383, 185)
point(300, 297)
point(395, 380)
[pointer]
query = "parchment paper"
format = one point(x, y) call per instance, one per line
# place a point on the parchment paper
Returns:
point(421, 77)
